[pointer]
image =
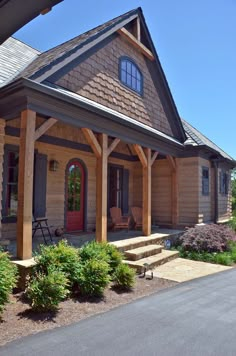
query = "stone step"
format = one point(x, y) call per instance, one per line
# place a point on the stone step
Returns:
point(142, 252)
point(135, 242)
point(153, 261)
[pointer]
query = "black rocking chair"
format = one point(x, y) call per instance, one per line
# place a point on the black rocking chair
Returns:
point(42, 225)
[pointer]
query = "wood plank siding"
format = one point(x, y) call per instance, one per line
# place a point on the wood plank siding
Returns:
point(55, 198)
point(188, 190)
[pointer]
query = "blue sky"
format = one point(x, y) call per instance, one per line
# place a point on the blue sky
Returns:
point(195, 41)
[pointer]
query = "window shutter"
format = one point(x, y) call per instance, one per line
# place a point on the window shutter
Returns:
point(205, 180)
point(220, 185)
point(226, 183)
point(108, 191)
point(125, 192)
point(40, 185)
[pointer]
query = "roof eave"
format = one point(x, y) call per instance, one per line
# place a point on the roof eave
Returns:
point(153, 139)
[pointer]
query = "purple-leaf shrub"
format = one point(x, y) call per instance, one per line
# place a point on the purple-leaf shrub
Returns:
point(208, 238)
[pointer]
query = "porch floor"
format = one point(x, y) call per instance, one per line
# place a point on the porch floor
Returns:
point(79, 239)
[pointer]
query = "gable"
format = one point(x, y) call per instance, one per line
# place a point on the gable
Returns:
point(132, 26)
point(97, 77)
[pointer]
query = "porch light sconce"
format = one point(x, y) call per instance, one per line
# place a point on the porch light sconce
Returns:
point(53, 165)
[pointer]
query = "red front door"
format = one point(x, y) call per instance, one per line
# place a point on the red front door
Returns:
point(75, 197)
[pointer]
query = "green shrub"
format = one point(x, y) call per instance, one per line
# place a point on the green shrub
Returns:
point(93, 277)
point(8, 278)
point(62, 257)
point(223, 258)
point(93, 250)
point(102, 252)
point(115, 256)
point(232, 223)
point(45, 291)
point(124, 276)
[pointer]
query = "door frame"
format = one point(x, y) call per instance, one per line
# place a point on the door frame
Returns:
point(85, 200)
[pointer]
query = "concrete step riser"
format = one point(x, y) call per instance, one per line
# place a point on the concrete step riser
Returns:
point(130, 255)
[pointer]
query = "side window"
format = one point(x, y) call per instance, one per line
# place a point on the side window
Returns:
point(224, 183)
point(11, 201)
point(130, 75)
point(205, 181)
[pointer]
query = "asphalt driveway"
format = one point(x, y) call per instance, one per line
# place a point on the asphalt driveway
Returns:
point(193, 318)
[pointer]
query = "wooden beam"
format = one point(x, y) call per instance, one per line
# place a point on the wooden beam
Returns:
point(172, 162)
point(44, 127)
point(112, 146)
point(141, 155)
point(147, 194)
point(175, 195)
point(138, 29)
point(25, 185)
point(92, 141)
point(2, 143)
point(101, 191)
point(136, 43)
point(155, 154)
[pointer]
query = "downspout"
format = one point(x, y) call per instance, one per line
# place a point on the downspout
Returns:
point(215, 163)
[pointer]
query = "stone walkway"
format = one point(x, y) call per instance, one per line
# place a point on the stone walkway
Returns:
point(181, 270)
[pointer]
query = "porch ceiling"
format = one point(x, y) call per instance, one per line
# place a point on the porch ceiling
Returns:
point(78, 111)
point(14, 14)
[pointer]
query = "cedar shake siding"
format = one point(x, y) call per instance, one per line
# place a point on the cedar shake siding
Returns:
point(97, 78)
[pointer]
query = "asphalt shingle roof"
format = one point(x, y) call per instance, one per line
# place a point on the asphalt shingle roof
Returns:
point(196, 138)
point(47, 59)
point(14, 57)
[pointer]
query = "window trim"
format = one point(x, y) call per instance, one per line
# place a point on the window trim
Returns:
point(126, 58)
point(8, 148)
point(205, 180)
point(224, 188)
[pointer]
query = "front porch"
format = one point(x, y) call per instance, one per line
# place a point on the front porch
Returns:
point(87, 145)
point(78, 240)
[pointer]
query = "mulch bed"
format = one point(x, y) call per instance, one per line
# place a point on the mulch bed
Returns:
point(19, 320)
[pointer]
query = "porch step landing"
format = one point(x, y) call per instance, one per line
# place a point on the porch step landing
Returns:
point(142, 252)
point(135, 242)
point(147, 251)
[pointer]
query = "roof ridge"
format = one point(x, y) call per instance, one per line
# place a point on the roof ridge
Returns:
point(90, 30)
point(59, 52)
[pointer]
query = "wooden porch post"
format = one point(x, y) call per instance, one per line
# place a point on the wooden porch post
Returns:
point(174, 190)
point(2, 141)
point(102, 152)
point(101, 191)
point(25, 185)
point(146, 161)
point(147, 194)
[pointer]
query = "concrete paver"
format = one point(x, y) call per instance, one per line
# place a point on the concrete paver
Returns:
point(181, 270)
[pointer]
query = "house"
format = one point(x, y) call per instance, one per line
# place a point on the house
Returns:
point(92, 124)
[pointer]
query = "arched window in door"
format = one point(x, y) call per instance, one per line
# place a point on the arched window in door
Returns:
point(75, 181)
